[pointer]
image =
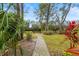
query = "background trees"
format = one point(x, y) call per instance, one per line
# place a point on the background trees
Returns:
point(61, 14)
point(44, 13)
point(53, 15)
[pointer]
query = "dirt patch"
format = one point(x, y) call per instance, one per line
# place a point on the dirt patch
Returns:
point(27, 48)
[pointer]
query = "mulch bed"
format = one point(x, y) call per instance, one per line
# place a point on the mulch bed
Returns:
point(26, 46)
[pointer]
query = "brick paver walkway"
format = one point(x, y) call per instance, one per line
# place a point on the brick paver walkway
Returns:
point(40, 48)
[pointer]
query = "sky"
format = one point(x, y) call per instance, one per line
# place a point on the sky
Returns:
point(73, 14)
point(30, 7)
point(29, 14)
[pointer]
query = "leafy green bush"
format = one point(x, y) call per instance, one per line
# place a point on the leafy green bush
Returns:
point(29, 36)
point(48, 32)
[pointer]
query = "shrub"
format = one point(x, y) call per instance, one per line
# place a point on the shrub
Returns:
point(29, 36)
point(61, 32)
point(72, 33)
point(48, 32)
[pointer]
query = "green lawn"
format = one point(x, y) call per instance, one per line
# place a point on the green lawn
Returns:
point(54, 44)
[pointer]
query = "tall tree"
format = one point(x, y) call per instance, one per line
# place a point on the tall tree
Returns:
point(48, 15)
point(22, 11)
point(44, 13)
point(61, 14)
point(22, 17)
point(2, 6)
point(18, 9)
point(20, 14)
point(17, 21)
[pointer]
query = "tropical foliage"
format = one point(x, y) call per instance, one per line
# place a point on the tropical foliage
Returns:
point(10, 27)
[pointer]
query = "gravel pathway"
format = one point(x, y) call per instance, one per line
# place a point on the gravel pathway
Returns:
point(41, 47)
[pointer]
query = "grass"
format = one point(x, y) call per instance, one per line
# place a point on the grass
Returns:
point(54, 44)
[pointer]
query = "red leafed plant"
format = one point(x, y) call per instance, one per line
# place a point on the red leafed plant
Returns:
point(72, 33)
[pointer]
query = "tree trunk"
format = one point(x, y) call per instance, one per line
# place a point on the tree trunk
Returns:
point(47, 17)
point(65, 13)
point(18, 17)
point(60, 28)
point(22, 11)
point(2, 6)
point(64, 17)
point(40, 21)
point(18, 9)
point(22, 15)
